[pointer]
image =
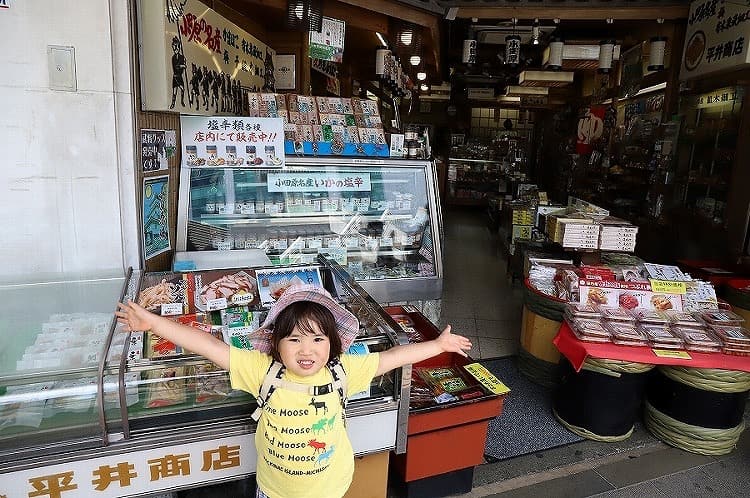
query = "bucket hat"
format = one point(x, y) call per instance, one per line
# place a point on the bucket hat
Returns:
point(347, 324)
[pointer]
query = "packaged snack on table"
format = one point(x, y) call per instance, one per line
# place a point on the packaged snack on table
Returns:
point(626, 334)
point(617, 315)
point(211, 383)
point(684, 319)
point(580, 310)
point(698, 340)
point(652, 317)
point(722, 317)
point(660, 337)
point(733, 337)
point(589, 330)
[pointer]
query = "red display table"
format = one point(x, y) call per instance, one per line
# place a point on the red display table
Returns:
point(576, 351)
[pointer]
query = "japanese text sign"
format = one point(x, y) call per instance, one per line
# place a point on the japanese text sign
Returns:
point(319, 182)
point(220, 141)
point(195, 61)
point(716, 38)
point(328, 43)
point(135, 473)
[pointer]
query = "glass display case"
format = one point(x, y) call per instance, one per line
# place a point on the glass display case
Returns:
point(379, 219)
point(78, 394)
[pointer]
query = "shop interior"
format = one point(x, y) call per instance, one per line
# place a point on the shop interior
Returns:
point(562, 182)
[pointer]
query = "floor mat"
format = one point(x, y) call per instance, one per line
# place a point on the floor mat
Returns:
point(526, 424)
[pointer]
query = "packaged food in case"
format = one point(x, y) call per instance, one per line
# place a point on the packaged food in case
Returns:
point(582, 310)
point(216, 290)
point(722, 317)
point(617, 314)
point(733, 337)
point(211, 383)
point(588, 330)
point(653, 317)
point(165, 387)
point(626, 334)
point(698, 340)
point(660, 336)
point(163, 293)
point(684, 319)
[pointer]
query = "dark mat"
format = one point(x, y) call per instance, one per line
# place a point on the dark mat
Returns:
point(526, 424)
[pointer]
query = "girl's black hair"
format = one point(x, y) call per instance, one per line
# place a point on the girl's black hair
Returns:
point(300, 315)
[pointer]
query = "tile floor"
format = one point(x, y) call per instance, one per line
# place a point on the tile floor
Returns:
point(478, 301)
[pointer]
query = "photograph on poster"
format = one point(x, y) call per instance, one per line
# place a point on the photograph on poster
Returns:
point(155, 216)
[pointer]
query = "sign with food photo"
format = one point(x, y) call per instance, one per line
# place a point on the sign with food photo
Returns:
point(273, 283)
point(217, 290)
point(717, 38)
point(626, 295)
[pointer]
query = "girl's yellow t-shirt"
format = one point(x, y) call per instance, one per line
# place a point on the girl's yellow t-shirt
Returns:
point(301, 441)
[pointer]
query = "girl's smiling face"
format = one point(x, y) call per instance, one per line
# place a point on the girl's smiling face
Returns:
point(305, 351)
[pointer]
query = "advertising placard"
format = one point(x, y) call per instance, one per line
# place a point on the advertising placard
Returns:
point(155, 216)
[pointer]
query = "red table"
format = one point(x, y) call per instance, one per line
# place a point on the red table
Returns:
point(576, 351)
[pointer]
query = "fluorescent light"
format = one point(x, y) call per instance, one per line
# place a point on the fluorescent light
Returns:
point(650, 89)
point(414, 60)
point(382, 40)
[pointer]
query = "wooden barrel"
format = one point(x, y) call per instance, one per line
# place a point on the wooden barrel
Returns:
point(603, 400)
point(540, 322)
point(700, 410)
point(737, 293)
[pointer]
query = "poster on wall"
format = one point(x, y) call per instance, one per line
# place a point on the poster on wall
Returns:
point(717, 38)
point(155, 216)
point(286, 74)
point(590, 128)
point(157, 146)
point(194, 61)
point(228, 141)
point(328, 44)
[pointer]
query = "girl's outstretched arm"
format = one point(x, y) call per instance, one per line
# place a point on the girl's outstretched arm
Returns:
point(399, 356)
point(135, 317)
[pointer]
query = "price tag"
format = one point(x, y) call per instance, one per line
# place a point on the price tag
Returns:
point(672, 353)
point(171, 309)
point(242, 299)
point(486, 378)
point(216, 304)
point(668, 287)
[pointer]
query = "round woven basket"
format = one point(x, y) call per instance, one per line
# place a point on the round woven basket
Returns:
point(699, 410)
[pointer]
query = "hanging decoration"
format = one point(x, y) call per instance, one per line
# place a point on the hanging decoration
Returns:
point(469, 54)
point(555, 59)
point(304, 15)
point(513, 50)
point(606, 54)
point(658, 48)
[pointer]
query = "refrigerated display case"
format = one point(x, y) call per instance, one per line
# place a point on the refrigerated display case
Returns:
point(87, 408)
point(379, 219)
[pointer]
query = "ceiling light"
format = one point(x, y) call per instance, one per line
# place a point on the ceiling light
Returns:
point(424, 87)
point(381, 39)
point(421, 76)
point(406, 37)
point(414, 60)
point(535, 32)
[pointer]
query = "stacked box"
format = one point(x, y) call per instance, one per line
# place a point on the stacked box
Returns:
point(555, 224)
point(367, 119)
point(271, 105)
point(578, 235)
point(617, 235)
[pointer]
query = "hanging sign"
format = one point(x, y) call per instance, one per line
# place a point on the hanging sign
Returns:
point(717, 38)
point(218, 141)
point(328, 44)
point(194, 61)
point(590, 128)
point(728, 96)
point(285, 71)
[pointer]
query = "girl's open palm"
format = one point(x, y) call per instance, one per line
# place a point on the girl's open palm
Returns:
point(453, 343)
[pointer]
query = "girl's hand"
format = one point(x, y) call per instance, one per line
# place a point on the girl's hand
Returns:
point(453, 343)
point(134, 317)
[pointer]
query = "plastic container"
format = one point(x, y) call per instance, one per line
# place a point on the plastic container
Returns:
point(733, 337)
point(660, 337)
point(617, 315)
point(589, 330)
point(697, 340)
point(626, 334)
point(722, 317)
point(684, 319)
point(651, 317)
point(584, 311)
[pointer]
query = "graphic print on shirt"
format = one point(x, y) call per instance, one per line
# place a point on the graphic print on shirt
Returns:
point(294, 445)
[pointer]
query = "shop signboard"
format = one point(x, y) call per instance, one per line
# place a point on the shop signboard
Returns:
point(228, 141)
point(194, 61)
point(328, 44)
point(717, 38)
point(137, 473)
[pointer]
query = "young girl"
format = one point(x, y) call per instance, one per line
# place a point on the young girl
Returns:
point(301, 442)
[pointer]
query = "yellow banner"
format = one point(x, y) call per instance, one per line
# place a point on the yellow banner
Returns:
point(486, 378)
point(672, 353)
point(668, 287)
